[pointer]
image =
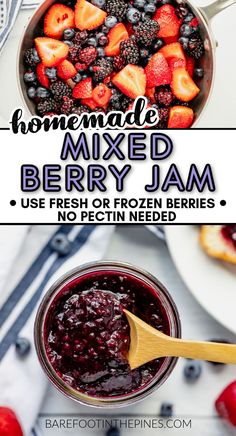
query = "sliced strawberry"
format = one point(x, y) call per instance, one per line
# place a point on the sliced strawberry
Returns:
point(190, 63)
point(101, 95)
point(131, 81)
point(9, 424)
point(41, 75)
point(225, 404)
point(182, 85)
point(157, 71)
point(194, 22)
point(168, 21)
point(117, 34)
point(88, 16)
point(51, 51)
point(150, 94)
point(58, 18)
point(83, 89)
point(81, 67)
point(66, 70)
point(180, 117)
point(173, 51)
point(89, 102)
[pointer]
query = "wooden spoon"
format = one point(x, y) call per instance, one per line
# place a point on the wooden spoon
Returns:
point(148, 343)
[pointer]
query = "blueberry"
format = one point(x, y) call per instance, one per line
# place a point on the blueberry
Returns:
point(198, 72)
point(114, 431)
point(139, 4)
point(31, 92)
point(105, 29)
point(110, 21)
point(77, 78)
point(84, 76)
point(30, 76)
point(184, 42)
point(192, 370)
point(100, 52)
point(144, 53)
point(157, 44)
point(186, 30)
point(166, 410)
point(61, 244)
point(103, 40)
point(22, 346)
point(150, 8)
point(99, 3)
point(51, 73)
point(133, 15)
point(188, 18)
point(68, 33)
point(67, 42)
point(42, 92)
point(36, 57)
point(220, 341)
point(92, 41)
point(144, 16)
point(166, 2)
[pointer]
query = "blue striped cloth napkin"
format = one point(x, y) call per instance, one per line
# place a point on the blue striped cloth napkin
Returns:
point(22, 382)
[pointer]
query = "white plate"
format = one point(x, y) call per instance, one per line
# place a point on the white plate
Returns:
point(212, 282)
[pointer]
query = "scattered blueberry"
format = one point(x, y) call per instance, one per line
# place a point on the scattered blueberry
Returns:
point(67, 42)
point(150, 8)
point(157, 44)
point(133, 15)
point(184, 42)
point(51, 73)
point(166, 410)
point(30, 76)
point(105, 29)
point(77, 78)
point(99, 3)
point(114, 431)
point(144, 53)
point(61, 244)
point(188, 18)
point(192, 370)
point(68, 33)
point(198, 72)
point(100, 52)
point(220, 341)
point(35, 55)
point(103, 40)
point(144, 16)
point(186, 30)
point(31, 92)
point(42, 92)
point(22, 346)
point(139, 4)
point(110, 21)
point(92, 41)
point(84, 76)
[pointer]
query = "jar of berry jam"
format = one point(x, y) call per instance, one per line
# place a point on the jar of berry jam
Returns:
point(82, 334)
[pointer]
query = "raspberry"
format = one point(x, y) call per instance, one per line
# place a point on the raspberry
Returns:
point(81, 37)
point(118, 63)
point(101, 69)
point(87, 55)
point(73, 54)
point(67, 105)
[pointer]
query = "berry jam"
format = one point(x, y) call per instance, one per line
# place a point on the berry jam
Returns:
point(87, 334)
point(229, 233)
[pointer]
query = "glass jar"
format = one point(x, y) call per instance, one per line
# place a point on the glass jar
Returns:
point(158, 291)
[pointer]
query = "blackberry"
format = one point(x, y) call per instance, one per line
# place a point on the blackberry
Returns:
point(81, 37)
point(59, 90)
point(102, 68)
point(124, 103)
point(87, 55)
point(164, 96)
point(181, 11)
point(163, 114)
point(73, 54)
point(67, 105)
point(129, 51)
point(117, 8)
point(31, 57)
point(118, 63)
point(146, 32)
point(195, 47)
point(79, 110)
point(47, 105)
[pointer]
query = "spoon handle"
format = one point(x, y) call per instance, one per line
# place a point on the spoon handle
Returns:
point(223, 353)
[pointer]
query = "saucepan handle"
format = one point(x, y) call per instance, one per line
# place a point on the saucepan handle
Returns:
point(214, 8)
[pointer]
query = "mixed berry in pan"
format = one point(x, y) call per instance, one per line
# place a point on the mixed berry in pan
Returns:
point(100, 55)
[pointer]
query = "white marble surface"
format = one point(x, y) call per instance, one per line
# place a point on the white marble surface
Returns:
point(196, 402)
point(220, 111)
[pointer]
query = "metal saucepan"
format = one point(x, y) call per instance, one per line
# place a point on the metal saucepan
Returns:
point(204, 14)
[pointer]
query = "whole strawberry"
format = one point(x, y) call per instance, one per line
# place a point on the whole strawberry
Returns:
point(9, 424)
point(225, 404)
